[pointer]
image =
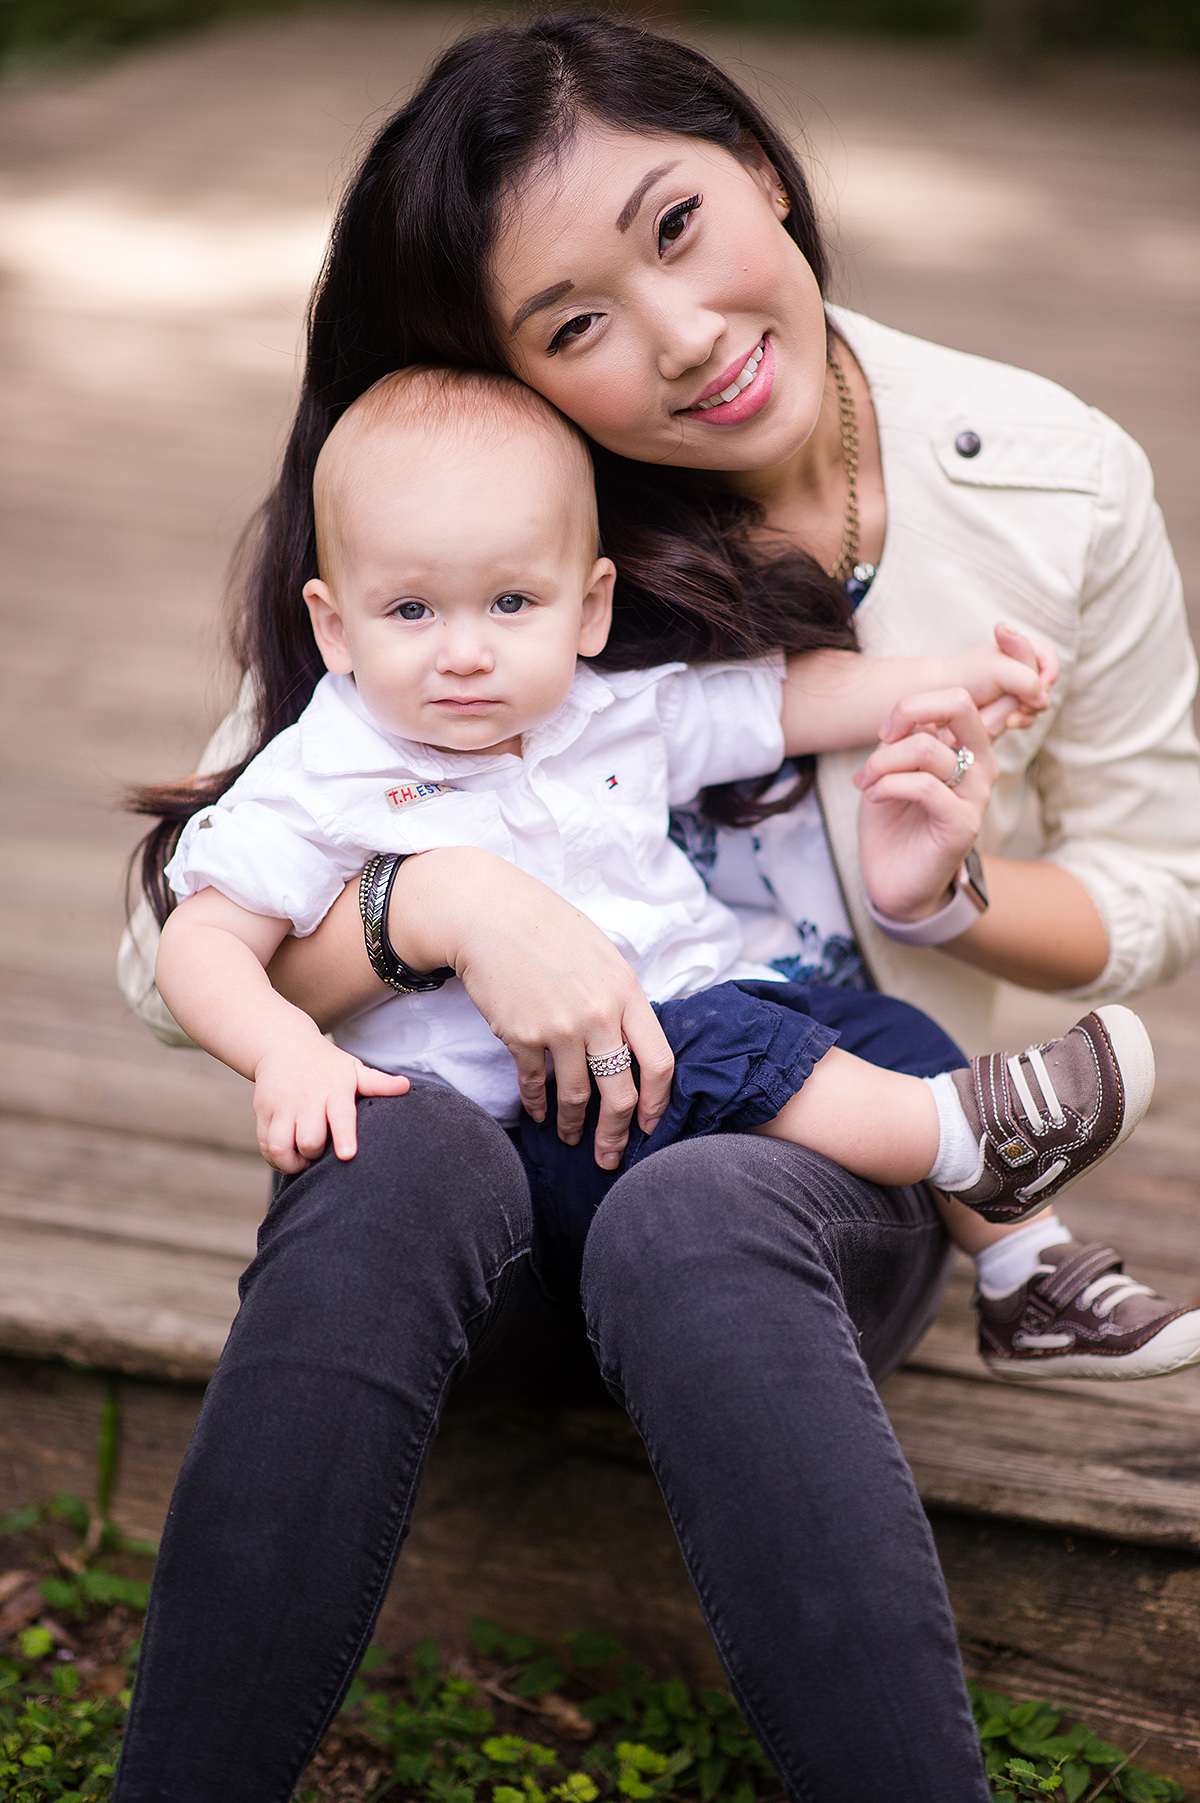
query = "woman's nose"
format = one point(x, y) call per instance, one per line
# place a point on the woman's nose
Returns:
point(687, 339)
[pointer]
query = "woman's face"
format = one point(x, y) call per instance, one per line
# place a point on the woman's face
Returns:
point(638, 280)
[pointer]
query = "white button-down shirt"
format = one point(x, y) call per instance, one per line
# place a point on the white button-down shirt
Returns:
point(584, 809)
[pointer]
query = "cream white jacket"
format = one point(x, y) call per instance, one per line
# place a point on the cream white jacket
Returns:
point(1051, 525)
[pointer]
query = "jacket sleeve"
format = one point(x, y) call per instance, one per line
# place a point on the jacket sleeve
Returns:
point(139, 942)
point(1119, 776)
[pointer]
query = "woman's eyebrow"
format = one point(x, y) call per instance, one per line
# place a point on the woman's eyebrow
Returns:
point(628, 213)
point(535, 303)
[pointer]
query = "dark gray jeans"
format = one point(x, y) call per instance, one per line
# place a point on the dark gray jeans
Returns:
point(737, 1293)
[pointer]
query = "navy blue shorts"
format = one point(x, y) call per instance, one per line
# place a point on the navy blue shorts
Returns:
point(742, 1050)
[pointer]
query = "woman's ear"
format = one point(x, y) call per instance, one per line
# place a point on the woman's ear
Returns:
point(327, 628)
point(754, 158)
point(596, 623)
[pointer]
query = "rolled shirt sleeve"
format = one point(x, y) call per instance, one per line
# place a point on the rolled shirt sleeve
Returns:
point(267, 856)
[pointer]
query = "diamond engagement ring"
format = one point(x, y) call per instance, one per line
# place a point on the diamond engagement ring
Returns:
point(611, 1064)
point(962, 764)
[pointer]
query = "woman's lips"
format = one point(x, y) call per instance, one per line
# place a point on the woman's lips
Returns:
point(750, 400)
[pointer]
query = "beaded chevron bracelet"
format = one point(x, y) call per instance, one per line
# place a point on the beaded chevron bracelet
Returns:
point(374, 894)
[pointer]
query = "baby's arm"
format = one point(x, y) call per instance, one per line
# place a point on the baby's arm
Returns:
point(833, 700)
point(211, 974)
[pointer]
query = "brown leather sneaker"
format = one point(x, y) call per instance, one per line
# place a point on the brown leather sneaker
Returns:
point(1046, 1115)
point(1080, 1316)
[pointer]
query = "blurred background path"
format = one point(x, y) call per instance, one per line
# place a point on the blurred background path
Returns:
point(161, 220)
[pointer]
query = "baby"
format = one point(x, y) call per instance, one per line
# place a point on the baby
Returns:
point(460, 595)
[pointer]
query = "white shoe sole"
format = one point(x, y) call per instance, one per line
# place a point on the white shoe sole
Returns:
point(1173, 1348)
point(1135, 1061)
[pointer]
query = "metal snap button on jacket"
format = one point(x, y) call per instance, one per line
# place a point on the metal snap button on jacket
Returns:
point(968, 444)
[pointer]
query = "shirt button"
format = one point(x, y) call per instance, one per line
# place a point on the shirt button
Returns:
point(968, 444)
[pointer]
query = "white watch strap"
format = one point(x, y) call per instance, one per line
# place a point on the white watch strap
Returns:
point(959, 913)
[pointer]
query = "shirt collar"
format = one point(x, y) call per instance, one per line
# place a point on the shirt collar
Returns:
point(338, 737)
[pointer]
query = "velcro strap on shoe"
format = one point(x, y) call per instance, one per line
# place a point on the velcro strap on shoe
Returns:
point(1076, 1271)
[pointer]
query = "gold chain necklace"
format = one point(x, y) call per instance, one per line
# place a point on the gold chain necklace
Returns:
point(847, 557)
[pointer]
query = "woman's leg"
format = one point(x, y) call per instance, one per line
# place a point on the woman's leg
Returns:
point(374, 1281)
point(738, 1291)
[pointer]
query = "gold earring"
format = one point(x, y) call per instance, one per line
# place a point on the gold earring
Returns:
point(783, 203)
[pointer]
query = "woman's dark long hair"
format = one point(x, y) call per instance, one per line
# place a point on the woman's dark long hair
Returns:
point(405, 281)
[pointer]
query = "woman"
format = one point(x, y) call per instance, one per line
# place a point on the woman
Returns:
point(606, 215)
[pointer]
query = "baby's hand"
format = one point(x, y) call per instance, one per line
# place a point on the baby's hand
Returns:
point(1010, 682)
point(304, 1091)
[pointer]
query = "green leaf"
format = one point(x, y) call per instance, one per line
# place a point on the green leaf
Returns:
point(105, 1589)
point(71, 1509)
point(543, 1675)
point(505, 1749)
point(66, 1681)
point(504, 1793)
point(1101, 1752)
point(594, 1649)
point(373, 1658)
point(21, 1520)
point(35, 1643)
point(60, 1594)
point(710, 1774)
point(677, 1698)
point(34, 1756)
point(495, 1642)
point(578, 1788)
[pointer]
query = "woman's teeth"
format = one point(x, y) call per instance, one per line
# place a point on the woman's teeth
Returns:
point(748, 373)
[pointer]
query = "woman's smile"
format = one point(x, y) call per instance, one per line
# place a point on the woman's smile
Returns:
point(730, 401)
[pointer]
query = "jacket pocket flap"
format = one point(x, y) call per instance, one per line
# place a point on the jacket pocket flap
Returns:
point(990, 454)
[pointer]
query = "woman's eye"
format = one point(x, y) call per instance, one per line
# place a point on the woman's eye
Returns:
point(510, 604)
point(411, 610)
point(673, 224)
point(574, 328)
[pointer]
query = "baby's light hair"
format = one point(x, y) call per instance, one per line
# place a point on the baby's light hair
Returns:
point(456, 405)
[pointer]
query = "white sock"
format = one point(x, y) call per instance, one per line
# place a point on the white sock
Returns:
point(1014, 1259)
point(959, 1153)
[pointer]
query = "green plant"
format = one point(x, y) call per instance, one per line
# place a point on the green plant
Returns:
point(1026, 1757)
point(55, 1746)
point(432, 1736)
point(82, 1584)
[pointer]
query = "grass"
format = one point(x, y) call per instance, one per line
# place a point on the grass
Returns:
point(521, 1721)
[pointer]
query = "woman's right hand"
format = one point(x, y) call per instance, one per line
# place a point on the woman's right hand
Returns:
point(916, 825)
point(545, 979)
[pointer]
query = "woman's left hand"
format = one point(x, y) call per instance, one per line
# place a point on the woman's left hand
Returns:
point(914, 828)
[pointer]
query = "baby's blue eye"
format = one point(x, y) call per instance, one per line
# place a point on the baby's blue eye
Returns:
point(509, 604)
point(411, 610)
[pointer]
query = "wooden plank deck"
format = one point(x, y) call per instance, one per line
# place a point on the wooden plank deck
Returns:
point(159, 222)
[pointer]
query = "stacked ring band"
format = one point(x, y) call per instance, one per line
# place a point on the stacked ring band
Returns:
point(611, 1064)
point(962, 764)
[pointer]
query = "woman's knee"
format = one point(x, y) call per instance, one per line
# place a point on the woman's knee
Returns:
point(435, 1182)
point(690, 1215)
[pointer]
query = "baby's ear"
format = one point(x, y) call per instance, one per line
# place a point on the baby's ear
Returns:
point(596, 622)
point(327, 628)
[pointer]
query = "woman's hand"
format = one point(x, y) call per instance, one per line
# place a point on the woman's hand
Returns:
point(544, 978)
point(915, 830)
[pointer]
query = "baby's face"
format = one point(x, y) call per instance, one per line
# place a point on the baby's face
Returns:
point(461, 588)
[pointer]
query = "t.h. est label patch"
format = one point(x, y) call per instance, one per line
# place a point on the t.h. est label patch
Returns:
point(408, 792)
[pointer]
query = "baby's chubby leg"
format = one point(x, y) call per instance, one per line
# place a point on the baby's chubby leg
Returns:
point(875, 1123)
